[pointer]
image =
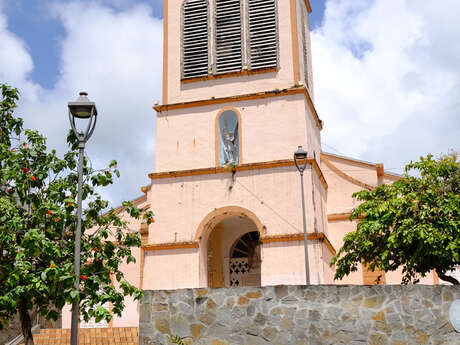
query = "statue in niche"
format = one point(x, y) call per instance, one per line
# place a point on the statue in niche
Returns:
point(228, 148)
point(228, 137)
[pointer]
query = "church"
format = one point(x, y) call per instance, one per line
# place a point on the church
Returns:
point(238, 100)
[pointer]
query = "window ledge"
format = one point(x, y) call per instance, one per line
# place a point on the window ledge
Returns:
point(230, 75)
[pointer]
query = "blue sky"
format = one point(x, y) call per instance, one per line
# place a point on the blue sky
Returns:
point(386, 76)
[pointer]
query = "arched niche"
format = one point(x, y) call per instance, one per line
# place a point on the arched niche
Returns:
point(228, 137)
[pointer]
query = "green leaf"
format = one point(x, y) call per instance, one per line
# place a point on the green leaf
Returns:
point(73, 294)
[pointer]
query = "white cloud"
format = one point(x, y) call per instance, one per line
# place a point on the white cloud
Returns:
point(15, 61)
point(116, 56)
point(387, 78)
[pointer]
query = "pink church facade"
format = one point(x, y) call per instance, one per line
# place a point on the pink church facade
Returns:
point(225, 191)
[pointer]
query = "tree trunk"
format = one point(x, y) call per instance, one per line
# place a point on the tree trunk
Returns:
point(26, 323)
point(449, 279)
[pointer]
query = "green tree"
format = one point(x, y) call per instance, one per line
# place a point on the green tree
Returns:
point(413, 223)
point(37, 222)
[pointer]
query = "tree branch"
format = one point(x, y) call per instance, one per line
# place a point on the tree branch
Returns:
point(448, 278)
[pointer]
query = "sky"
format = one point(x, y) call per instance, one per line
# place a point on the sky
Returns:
point(386, 76)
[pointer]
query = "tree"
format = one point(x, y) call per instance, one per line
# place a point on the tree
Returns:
point(413, 223)
point(37, 222)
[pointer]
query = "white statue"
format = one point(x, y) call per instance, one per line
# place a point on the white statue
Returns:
point(228, 139)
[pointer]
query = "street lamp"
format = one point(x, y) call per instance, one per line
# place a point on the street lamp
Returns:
point(300, 160)
point(81, 109)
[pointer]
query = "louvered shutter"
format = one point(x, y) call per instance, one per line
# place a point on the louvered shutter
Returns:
point(228, 33)
point(263, 34)
point(195, 39)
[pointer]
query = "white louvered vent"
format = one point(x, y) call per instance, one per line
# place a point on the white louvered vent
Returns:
point(263, 34)
point(195, 39)
point(228, 30)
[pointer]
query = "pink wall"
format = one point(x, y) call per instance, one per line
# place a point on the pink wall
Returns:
point(337, 231)
point(181, 204)
point(171, 269)
point(271, 129)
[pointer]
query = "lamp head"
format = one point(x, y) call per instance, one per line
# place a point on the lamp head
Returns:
point(300, 159)
point(82, 108)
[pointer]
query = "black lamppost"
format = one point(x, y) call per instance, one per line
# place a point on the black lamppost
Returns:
point(81, 109)
point(300, 159)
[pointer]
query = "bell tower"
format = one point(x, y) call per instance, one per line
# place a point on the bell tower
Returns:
point(237, 102)
point(241, 54)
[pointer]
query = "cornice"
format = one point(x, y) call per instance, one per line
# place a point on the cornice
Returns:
point(241, 167)
point(313, 236)
point(307, 4)
point(338, 216)
point(295, 90)
point(230, 75)
point(135, 202)
point(378, 166)
point(170, 246)
point(346, 176)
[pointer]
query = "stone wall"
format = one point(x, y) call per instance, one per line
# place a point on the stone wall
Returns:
point(299, 315)
point(10, 331)
point(13, 328)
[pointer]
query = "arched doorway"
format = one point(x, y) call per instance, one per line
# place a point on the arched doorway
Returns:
point(233, 253)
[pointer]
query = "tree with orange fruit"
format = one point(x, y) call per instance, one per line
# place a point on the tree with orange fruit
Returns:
point(37, 222)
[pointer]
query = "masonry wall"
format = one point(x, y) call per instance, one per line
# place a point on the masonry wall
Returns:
point(11, 331)
point(299, 315)
point(13, 328)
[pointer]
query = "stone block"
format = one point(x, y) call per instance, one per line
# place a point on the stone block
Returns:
point(422, 338)
point(201, 292)
point(373, 302)
point(281, 291)
point(218, 331)
point(180, 327)
point(269, 333)
point(378, 339)
point(145, 312)
point(210, 304)
point(162, 326)
point(196, 330)
point(260, 319)
point(254, 294)
point(184, 308)
point(242, 300)
point(290, 300)
point(160, 307)
point(207, 318)
point(254, 340)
